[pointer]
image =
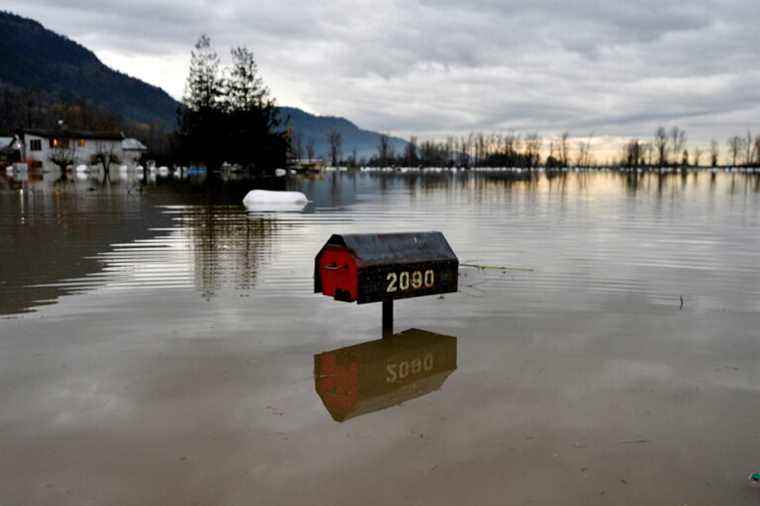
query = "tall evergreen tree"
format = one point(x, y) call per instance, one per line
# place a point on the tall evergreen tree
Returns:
point(231, 116)
point(201, 117)
point(256, 138)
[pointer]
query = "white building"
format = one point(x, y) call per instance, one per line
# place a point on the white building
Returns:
point(133, 150)
point(41, 147)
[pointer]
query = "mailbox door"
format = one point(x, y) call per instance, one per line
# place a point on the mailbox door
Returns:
point(401, 281)
point(338, 273)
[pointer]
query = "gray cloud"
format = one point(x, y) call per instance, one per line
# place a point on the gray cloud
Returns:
point(614, 67)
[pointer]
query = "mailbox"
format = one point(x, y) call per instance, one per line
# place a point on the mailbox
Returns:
point(367, 268)
point(371, 376)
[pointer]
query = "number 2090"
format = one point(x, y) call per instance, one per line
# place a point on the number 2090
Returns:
point(404, 281)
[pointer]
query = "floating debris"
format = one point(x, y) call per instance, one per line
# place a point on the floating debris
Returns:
point(634, 441)
point(498, 267)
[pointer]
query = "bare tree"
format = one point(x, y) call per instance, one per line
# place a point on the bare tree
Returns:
point(647, 151)
point(335, 143)
point(310, 149)
point(353, 157)
point(757, 150)
point(735, 147)
point(533, 144)
point(714, 153)
point(480, 148)
point(697, 156)
point(410, 152)
point(553, 148)
point(106, 154)
point(564, 149)
point(584, 152)
point(63, 155)
point(449, 149)
point(661, 145)
point(748, 148)
point(383, 149)
point(677, 142)
point(632, 153)
point(464, 150)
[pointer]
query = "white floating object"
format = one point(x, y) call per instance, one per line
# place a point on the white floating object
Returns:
point(123, 168)
point(280, 172)
point(82, 168)
point(265, 200)
point(9, 169)
point(163, 171)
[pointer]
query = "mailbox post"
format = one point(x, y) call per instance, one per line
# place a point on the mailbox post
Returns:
point(366, 268)
point(387, 317)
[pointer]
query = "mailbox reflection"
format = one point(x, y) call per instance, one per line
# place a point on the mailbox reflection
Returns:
point(371, 376)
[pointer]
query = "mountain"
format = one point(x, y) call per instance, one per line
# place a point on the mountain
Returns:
point(35, 58)
point(40, 60)
point(310, 127)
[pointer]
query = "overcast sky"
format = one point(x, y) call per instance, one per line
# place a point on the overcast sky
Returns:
point(612, 67)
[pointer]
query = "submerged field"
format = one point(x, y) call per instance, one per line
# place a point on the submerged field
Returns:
point(157, 342)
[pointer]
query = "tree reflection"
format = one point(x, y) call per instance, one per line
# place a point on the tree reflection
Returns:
point(229, 246)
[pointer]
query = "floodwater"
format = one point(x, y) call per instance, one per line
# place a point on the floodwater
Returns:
point(158, 344)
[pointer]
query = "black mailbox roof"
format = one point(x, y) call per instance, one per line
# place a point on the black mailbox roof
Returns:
point(381, 249)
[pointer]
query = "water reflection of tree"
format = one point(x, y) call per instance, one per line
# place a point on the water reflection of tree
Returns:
point(557, 182)
point(632, 182)
point(430, 182)
point(229, 247)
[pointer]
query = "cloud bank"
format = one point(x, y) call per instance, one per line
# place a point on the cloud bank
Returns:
point(424, 67)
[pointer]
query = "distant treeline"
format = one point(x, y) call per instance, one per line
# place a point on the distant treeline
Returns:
point(485, 150)
point(668, 148)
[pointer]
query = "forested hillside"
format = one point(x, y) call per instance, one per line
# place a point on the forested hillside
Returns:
point(46, 77)
point(310, 128)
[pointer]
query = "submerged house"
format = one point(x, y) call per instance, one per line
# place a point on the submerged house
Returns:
point(133, 151)
point(42, 147)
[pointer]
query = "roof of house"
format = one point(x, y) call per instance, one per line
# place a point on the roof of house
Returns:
point(133, 145)
point(76, 134)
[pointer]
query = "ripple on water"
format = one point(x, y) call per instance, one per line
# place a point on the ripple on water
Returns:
point(588, 235)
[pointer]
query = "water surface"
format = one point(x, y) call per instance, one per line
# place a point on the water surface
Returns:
point(158, 342)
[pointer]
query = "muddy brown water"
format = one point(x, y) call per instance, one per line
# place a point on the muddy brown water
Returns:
point(158, 343)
